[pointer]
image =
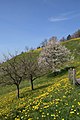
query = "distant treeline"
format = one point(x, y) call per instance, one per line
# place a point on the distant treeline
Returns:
point(74, 35)
point(69, 37)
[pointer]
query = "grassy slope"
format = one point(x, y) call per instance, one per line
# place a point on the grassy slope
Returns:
point(74, 46)
point(54, 98)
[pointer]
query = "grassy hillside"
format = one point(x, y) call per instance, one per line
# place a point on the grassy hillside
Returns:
point(54, 97)
point(74, 46)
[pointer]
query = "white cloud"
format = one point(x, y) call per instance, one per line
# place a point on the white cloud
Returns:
point(64, 16)
point(56, 19)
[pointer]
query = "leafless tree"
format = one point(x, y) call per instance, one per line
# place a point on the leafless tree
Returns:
point(31, 67)
point(12, 71)
point(20, 67)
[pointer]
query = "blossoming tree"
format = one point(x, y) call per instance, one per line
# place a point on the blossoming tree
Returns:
point(53, 55)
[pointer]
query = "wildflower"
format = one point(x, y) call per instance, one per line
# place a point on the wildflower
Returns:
point(78, 103)
point(77, 113)
point(74, 99)
point(64, 96)
point(75, 110)
point(37, 118)
point(22, 117)
point(30, 119)
point(72, 106)
point(5, 117)
point(46, 106)
point(52, 115)
point(17, 118)
point(72, 112)
point(47, 113)
point(54, 118)
point(43, 115)
point(66, 103)
point(59, 111)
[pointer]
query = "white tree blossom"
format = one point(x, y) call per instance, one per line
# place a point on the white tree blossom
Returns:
point(53, 55)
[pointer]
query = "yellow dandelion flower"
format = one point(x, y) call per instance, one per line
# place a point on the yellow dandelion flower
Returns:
point(46, 106)
point(30, 119)
point(72, 106)
point(52, 115)
point(43, 115)
point(78, 103)
point(59, 111)
point(72, 112)
point(77, 113)
point(64, 96)
point(47, 113)
point(74, 99)
point(54, 118)
point(66, 103)
point(37, 118)
point(17, 118)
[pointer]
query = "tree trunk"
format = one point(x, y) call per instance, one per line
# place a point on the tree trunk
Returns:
point(18, 91)
point(32, 84)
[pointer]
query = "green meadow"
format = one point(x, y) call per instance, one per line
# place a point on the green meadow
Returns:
point(54, 96)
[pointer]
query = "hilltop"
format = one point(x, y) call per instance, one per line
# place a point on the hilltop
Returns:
point(54, 96)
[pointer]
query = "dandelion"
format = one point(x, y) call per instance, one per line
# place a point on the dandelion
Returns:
point(37, 118)
point(26, 115)
point(54, 118)
point(22, 117)
point(5, 117)
point(23, 111)
point(46, 106)
point(64, 96)
point(52, 115)
point(30, 119)
point(78, 103)
point(59, 111)
point(66, 103)
point(47, 113)
point(72, 112)
point(17, 118)
point(74, 99)
point(43, 115)
point(77, 113)
point(57, 115)
point(72, 106)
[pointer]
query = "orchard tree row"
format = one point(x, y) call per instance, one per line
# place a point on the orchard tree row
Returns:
point(33, 64)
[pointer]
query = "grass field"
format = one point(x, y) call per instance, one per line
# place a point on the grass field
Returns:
point(54, 97)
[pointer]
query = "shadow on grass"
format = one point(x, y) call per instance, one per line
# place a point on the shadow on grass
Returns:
point(34, 91)
point(50, 75)
point(42, 86)
point(60, 73)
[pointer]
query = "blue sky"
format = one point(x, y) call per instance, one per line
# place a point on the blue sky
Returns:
point(29, 22)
